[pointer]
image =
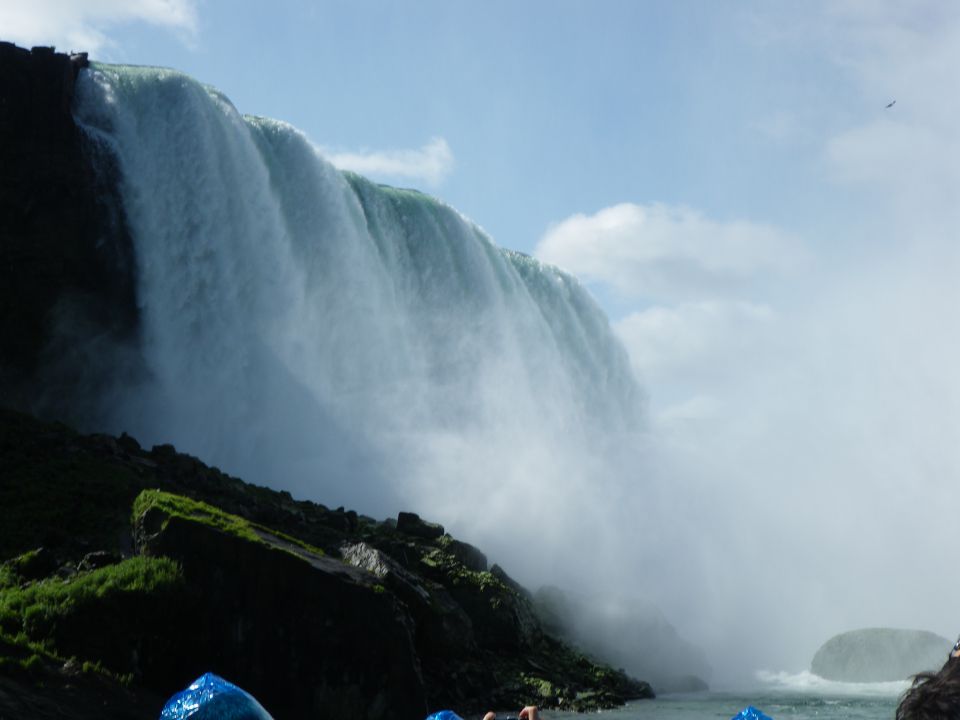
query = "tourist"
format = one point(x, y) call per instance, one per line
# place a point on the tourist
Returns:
point(934, 696)
point(530, 712)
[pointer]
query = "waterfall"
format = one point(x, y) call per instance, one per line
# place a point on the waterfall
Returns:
point(356, 344)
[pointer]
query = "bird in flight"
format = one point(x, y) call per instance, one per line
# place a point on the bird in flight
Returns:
point(892, 103)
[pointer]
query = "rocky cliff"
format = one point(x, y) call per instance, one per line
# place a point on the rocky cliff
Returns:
point(155, 568)
point(66, 268)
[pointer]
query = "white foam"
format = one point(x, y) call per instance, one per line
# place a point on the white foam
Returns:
point(807, 682)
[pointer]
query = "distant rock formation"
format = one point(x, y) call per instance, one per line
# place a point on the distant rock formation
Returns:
point(879, 655)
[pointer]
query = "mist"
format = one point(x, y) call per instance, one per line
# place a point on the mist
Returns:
point(804, 413)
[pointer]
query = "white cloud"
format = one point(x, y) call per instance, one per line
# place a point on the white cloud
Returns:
point(658, 251)
point(84, 26)
point(430, 163)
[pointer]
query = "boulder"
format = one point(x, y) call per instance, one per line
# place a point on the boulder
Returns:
point(470, 556)
point(98, 559)
point(410, 524)
point(33, 565)
point(879, 655)
point(443, 629)
point(308, 635)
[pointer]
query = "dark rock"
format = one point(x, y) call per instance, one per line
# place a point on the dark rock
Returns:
point(165, 451)
point(69, 696)
point(500, 574)
point(128, 444)
point(34, 565)
point(407, 585)
point(67, 289)
point(307, 635)
point(469, 555)
point(99, 559)
point(503, 619)
point(66, 572)
point(475, 641)
point(410, 524)
point(443, 629)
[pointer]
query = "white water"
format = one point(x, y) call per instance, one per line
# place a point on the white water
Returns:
point(356, 344)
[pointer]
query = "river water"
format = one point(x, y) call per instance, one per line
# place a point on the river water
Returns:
point(782, 696)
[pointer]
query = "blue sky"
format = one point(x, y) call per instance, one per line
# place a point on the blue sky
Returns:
point(776, 249)
point(548, 109)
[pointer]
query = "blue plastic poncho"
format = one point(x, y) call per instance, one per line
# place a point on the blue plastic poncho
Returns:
point(210, 697)
point(750, 713)
point(444, 715)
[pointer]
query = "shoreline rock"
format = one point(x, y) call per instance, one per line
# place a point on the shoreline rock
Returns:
point(274, 593)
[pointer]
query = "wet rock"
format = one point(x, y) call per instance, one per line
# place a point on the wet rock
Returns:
point(469, 555)
point(308, 635)
point(410, 524)
point(66, 259)
point(99, 559)
point(34, 565)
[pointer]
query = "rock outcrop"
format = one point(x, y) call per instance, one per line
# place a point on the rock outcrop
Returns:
point(879, 655)
point(306, 634)
point(66, 260)
point(302, 605)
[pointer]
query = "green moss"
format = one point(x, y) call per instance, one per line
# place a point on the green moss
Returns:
point(8, 576)
point(197, 511)
point(538, 687)
point(20, 656)
point(187, 508)
point(97, 668)
point(40, 609)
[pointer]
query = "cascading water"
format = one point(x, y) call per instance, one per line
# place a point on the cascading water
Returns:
point(356, 344)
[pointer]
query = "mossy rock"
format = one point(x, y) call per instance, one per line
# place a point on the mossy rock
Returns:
point(121, 618)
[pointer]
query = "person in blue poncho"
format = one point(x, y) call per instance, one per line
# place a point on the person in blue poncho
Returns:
point(210, 697)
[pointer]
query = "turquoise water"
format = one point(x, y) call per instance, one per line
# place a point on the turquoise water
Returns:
point(782, 696)
point(722, 705)
point(779, 707)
